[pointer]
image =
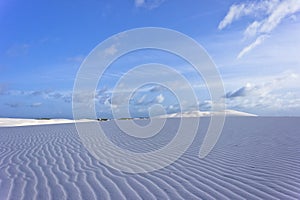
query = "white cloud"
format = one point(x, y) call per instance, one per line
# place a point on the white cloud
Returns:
point(141, 100)
point(13, 105)
point(263, 89)
point(284, 9)
point(149, 4)
point(160, 98)
point(267, 97)
point(293, 18)
point(65, 96)
point(112, 50)
point(77, 59)
point(267, 16)
point(257, 42)
point(252, 29)
point(38, 104)
point(270, 104)
point(139, 3)
point(237, 11)
point(18, 50)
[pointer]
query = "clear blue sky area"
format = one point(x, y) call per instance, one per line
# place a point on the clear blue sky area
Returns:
point(254, 44)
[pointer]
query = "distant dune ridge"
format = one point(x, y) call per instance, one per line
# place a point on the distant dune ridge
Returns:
point(198, 113)
point(255, 158)
point(9, 122)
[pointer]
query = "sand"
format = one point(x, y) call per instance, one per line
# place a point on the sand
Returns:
point(255, 158)
point(10, 122)
point(206, 114)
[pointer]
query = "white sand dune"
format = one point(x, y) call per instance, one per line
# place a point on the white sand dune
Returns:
point(255, 158)
point(9, 122)
point(198, 113)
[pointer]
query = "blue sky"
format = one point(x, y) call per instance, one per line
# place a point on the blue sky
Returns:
point(254, 45)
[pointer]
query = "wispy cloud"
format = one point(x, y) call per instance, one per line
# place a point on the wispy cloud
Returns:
point(112, 50)
point(149, 4)
point(13, 105)
point(37, 104)
point(257, 42)
point(2, 89)
point(267, 16)
point(254, 8)
point(44, 94)
point(18, 105)
point(18, 50)
point(76, 59)
point(156, 88)
point(139, 3)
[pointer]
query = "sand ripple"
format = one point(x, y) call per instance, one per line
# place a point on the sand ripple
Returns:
point(255, 158)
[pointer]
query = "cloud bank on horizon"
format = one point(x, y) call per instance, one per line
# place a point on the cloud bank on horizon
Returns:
point(260, 67)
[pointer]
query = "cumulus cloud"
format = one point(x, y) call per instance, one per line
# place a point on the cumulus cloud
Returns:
point(44, 94)
point(55, 95)
point(49, 94)
point(272, 103)
point(173, 108)
point(67, 98)
point(263, 97)
point(267, 16)
point(37, 104)
point(250, 90)
point(36, 93)
point(206, 105)
point(160, 98)
point(156, 88)
point(261, 89)
point(142, 100)
point(13, 105)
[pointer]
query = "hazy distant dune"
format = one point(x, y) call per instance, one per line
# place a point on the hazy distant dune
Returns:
point(255, 158)
point(198, 113)
point(11, 122)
